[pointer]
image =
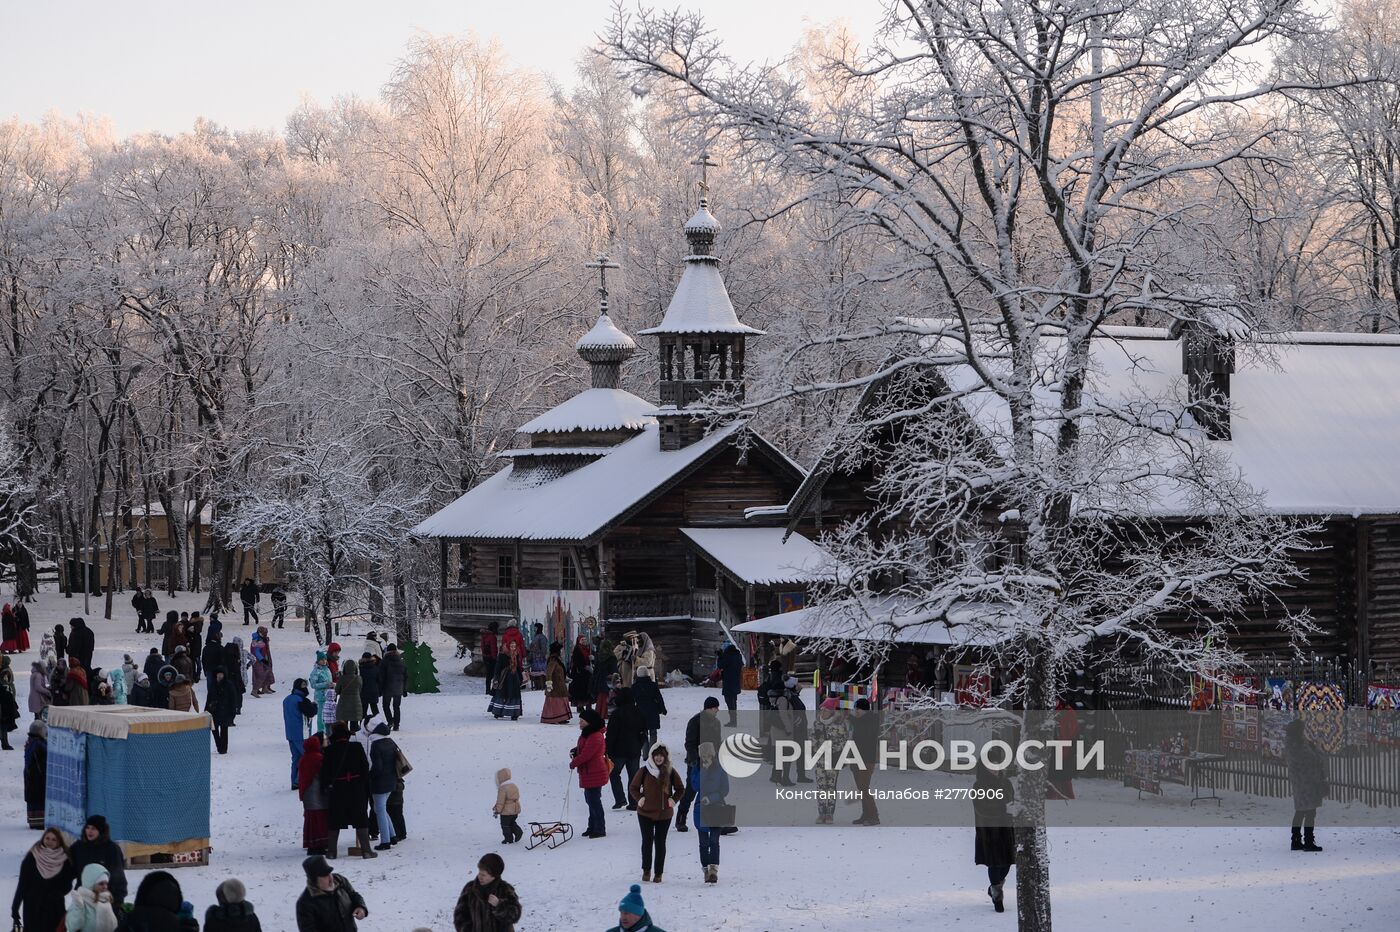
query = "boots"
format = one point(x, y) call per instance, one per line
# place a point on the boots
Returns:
point(712, 874)
point(1308, 844)
point(646, 876)
point(656, 878)
point(680, 820)
point(362, 836)
point(1297, 839)
point(333, 844)
point(994, 891)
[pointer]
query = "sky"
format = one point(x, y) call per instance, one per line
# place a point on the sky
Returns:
point(160, 64)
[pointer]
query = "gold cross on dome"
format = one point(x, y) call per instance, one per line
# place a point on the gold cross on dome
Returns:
point(602, 264)
point(705, 163)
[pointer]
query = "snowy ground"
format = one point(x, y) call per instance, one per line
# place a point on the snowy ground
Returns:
point(773, 879)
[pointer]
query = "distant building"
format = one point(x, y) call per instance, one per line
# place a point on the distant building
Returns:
point(144, 539)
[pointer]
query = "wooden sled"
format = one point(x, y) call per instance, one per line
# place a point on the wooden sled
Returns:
point(552, 834)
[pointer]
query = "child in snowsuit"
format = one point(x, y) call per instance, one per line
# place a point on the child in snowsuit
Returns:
point(507, 807)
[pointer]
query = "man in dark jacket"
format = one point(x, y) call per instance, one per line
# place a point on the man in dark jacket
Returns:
point(138, 605)
point(651, 705)
point(279, 606)
point(248, 594)
point(393, 683)
point(731, 668)
point(703, 728)
point(369, 684)
point(865, 734)
point(222, 706)
point(329, 903)
point(95, 846)
point(212, 656)
point(233, 913)
point(151, 667)
point(149, 608)
point(383, 779)
point(60, 643)
point(81, 643)
point(140, 694)
point(160, 907)
point(626, 735)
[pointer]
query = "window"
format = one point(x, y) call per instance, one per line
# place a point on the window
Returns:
point(505, 571)
point(568, 573)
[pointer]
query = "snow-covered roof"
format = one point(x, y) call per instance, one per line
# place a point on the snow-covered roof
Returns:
point(701, 303)
point(702, 221)
point(605, 335)
point(888, 618)
point(577, 504)
point(594, 409)
point(1314, 417)
point(760, 556)
point(552, 451)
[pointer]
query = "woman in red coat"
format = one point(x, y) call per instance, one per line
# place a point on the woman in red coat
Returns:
point(590, 759)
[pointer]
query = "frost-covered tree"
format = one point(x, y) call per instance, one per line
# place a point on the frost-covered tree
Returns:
point(1026, 166)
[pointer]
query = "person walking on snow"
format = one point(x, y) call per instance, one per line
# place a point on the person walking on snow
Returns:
point(703, 728)
point(490, 647)
point(248, 594)
point(581, 675)
point(315, 800)
point(995, 842)
point(626, 735)
point(487, 903)
point(505, 696)
point(90, 906)
point(507, 807)
point(279, 606)
point(393, 683)
point(714, 787)
point(369, 683)
point(329, 903)
point(320, 681)
point(349, 708)
point(95, 846)
point(383, 776)
point(589, 758)
point(556, 697)
point(45, 876)
point(222, 706)
point(655, 790)
point(651, 705)
point(1307, 771)
point(261, 670)
point(632, 915)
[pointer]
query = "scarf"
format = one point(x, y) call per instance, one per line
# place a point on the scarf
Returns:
point(49, 861)
point(309, 767)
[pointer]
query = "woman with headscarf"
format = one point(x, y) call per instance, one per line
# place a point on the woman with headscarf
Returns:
point(314, 798)
point(9, 704)
point(262, 663)
point(345, 778)
point(36, 772)
point(75, 685)
point(349, 708)
point(45, 876)
point(9, 631)
point(581, 675)
point(539, 657)
point(505, 697)
point(40, 695)
point(319, 681)
point(22, 623)
point(90, 906)
point(556, 697)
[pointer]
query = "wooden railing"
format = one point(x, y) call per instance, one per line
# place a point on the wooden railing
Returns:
point(503, 602)
point(616, 604)
point(704, 603)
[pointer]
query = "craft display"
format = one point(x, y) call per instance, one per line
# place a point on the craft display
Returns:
point(1383, 726)
point(1322, 706)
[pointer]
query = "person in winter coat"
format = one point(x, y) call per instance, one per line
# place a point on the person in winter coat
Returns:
point(556, 697)
point(393, 683)
point(36, 773)
point(490, 650)
point(152, 664)
point(96, 846)
point(249, 594)
point(75, 685)
point(320, 682)
point(9, 704)
point(333, 660)
point(183, 699)
point(169, 630)
point(150, 608)
point(487, 903)
point(142, 695)
point(81, 643)
point(345, 778)
point(45, 876)
point(655, 789)
point(581, 675)
point(297, 712)
point(632, 915)
point(315, 800)
point(507, 807)
point(369, 683)
point(829, 725)
point(233, 913)
point(60, 642)
point(160, 906)
point(349, 708)
point(865, 733)
point(329, 903)
point(703, 728)
point(589, 758)
point(731, 670)
point(604, 669)
point(714, 787)
point(537, 653)
point(995, 843)
point(90, 905)
point(383, 777)
point(651, 705)
point(222, 706)
point(279, 606)
point(9, 631)
point(236, 664)
point(261, 670)
point(373, 646)
point(505, 696)
point(1307, 771)
point(636, 650)
point(627, 734)
point(183, 662)
point(39, 693)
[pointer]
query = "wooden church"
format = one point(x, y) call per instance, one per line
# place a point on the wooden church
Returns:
point(616, 513)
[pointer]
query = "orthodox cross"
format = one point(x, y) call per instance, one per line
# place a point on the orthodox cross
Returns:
point(602, 264)
point(705, 163)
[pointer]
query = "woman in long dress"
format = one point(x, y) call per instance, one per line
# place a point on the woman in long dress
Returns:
point(556, 696)
point(505, 698)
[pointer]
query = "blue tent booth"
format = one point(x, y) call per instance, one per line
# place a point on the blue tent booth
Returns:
point(145, 770)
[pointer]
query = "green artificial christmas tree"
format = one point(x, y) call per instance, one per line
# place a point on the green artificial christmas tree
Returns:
point(422, 670)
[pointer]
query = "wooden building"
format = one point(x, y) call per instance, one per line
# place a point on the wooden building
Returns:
point(604, 515)
point(147, 550)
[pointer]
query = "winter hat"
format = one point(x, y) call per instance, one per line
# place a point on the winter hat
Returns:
point(502, 775)
point(154, 650)
point(702, 746)
point(180, 649)
point(160, 890)
point(381, 729)
point(38, 729)
point(492, 863)
point(632, 902)
point(94, 874)
point(231, 891)
point(98, 822)
point(592, 717)
point(644, 671)
point(316, 866)
point(711, 702)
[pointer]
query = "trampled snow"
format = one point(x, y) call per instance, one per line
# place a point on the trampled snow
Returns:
point(818, 878)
